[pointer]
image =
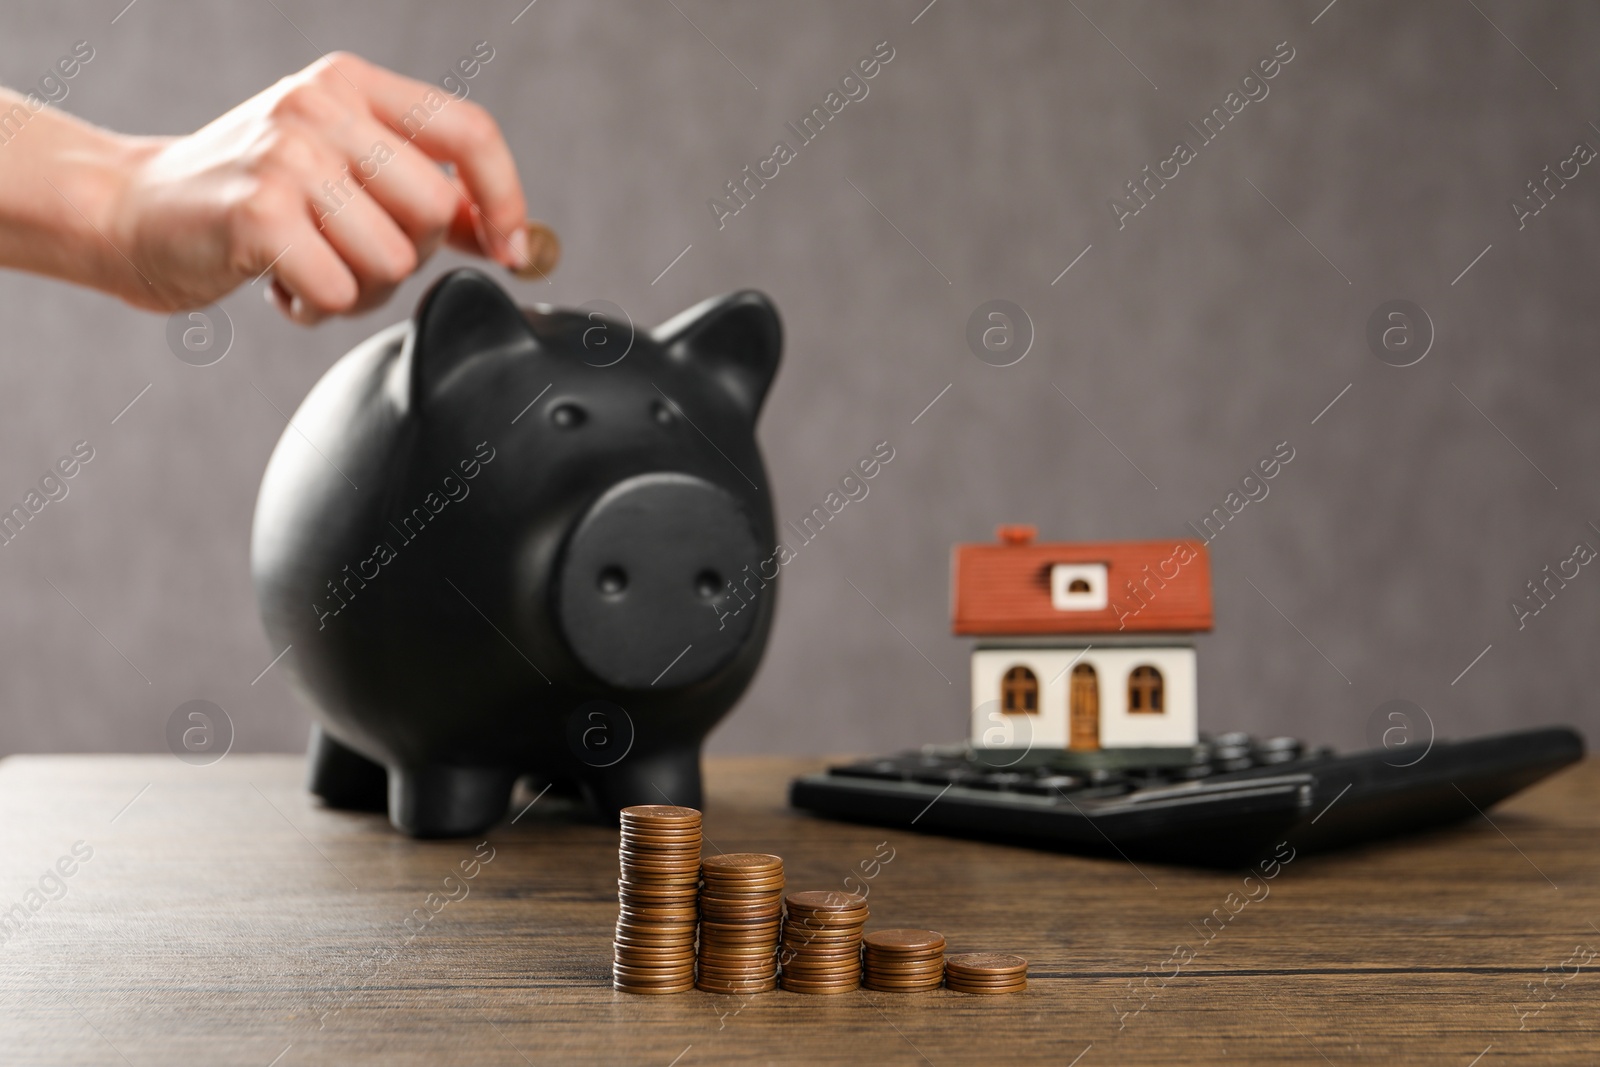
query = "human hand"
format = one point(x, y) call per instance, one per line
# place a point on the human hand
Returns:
point(330, 180)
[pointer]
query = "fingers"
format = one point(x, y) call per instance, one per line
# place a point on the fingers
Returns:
point(372, 245)
point(330, 245)
point(354, 196)
point(316, 199)
point(406, 184)
point(455, 131)
point(273, 230)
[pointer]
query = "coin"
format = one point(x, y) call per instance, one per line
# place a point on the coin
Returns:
point(985, 964)
point(744, 891)
point(657, 814)
point(677, 892)
point(854, 917)
point(739, 974)
point(744, 864)
point(824, 900)
point(626, 987)
point(878, 985)
point(639, 969)
point(741, 881)
point(905, 942)
point(731, 903)
point(662, 981)
point(676, 845)
point(790, 974)
point(849, 948)
point(801, 963)
point(676, 958)
point(803, 939)
point(753, 966)
point(803, 942)
point(732, 916)
point(827, 916)
point(711, 937)
point(655, 872)
point(772, 904)
point(544, 251)
point(996, 984)
point(708, 985)
point(661, 918)
point(766, 929)
point(650, 877)
point(625, 943)
point(718, 958)
point(823, 988)
point(891, 969)
point(1016, 987)
point(682, 846)
point(687, 864)
point(655, 896)
point(826, 963)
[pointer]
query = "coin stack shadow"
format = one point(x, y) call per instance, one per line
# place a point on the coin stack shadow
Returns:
point(903, 961)
point(657, 893)
point(822, 942)
point(741, 907)
point(986, 972)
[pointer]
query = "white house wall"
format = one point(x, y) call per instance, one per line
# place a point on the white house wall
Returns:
point(1178, 725)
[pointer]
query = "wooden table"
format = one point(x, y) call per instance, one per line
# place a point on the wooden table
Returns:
point(224, 918)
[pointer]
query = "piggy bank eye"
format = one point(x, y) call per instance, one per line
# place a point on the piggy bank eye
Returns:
point(568, 416)
point(661, 413)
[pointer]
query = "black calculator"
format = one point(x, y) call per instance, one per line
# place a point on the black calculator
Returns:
point(1231, 803)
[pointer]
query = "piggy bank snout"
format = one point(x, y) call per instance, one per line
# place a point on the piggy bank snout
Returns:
point(645, 594)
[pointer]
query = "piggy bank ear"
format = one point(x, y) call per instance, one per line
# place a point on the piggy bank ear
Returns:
point(736, 338)
point(464, 316)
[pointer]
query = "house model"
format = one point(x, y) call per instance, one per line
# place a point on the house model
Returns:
point(1084, 649)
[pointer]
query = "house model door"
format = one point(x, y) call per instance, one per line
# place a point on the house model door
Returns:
point(1083, 707)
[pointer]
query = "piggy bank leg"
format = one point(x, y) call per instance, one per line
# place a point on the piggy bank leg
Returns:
point(343, 777)
point(669, 777)
point(438, 801)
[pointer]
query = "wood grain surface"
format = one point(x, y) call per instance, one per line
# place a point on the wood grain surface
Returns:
point(223, 917)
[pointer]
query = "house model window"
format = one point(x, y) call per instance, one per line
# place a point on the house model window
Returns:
point(1145, 692)
point(1019, 692)
point(1078, 586)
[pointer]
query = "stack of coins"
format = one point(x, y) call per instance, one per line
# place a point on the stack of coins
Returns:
point(657, 890)
point(903, 961)
point(822, 942)
point(986, 972)
point(740, 908)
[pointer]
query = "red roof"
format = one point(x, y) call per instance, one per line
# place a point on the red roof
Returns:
point(1152, 587)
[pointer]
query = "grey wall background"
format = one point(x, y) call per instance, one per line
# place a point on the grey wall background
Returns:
point(1196, 338)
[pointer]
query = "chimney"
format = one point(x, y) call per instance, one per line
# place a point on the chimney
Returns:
point(1016, 534)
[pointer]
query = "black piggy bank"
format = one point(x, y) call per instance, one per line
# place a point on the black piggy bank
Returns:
point(501, 542)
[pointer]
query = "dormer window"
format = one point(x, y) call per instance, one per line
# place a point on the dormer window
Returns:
point(1078, 586)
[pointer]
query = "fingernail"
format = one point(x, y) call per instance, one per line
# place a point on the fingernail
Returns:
point(519, 249)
